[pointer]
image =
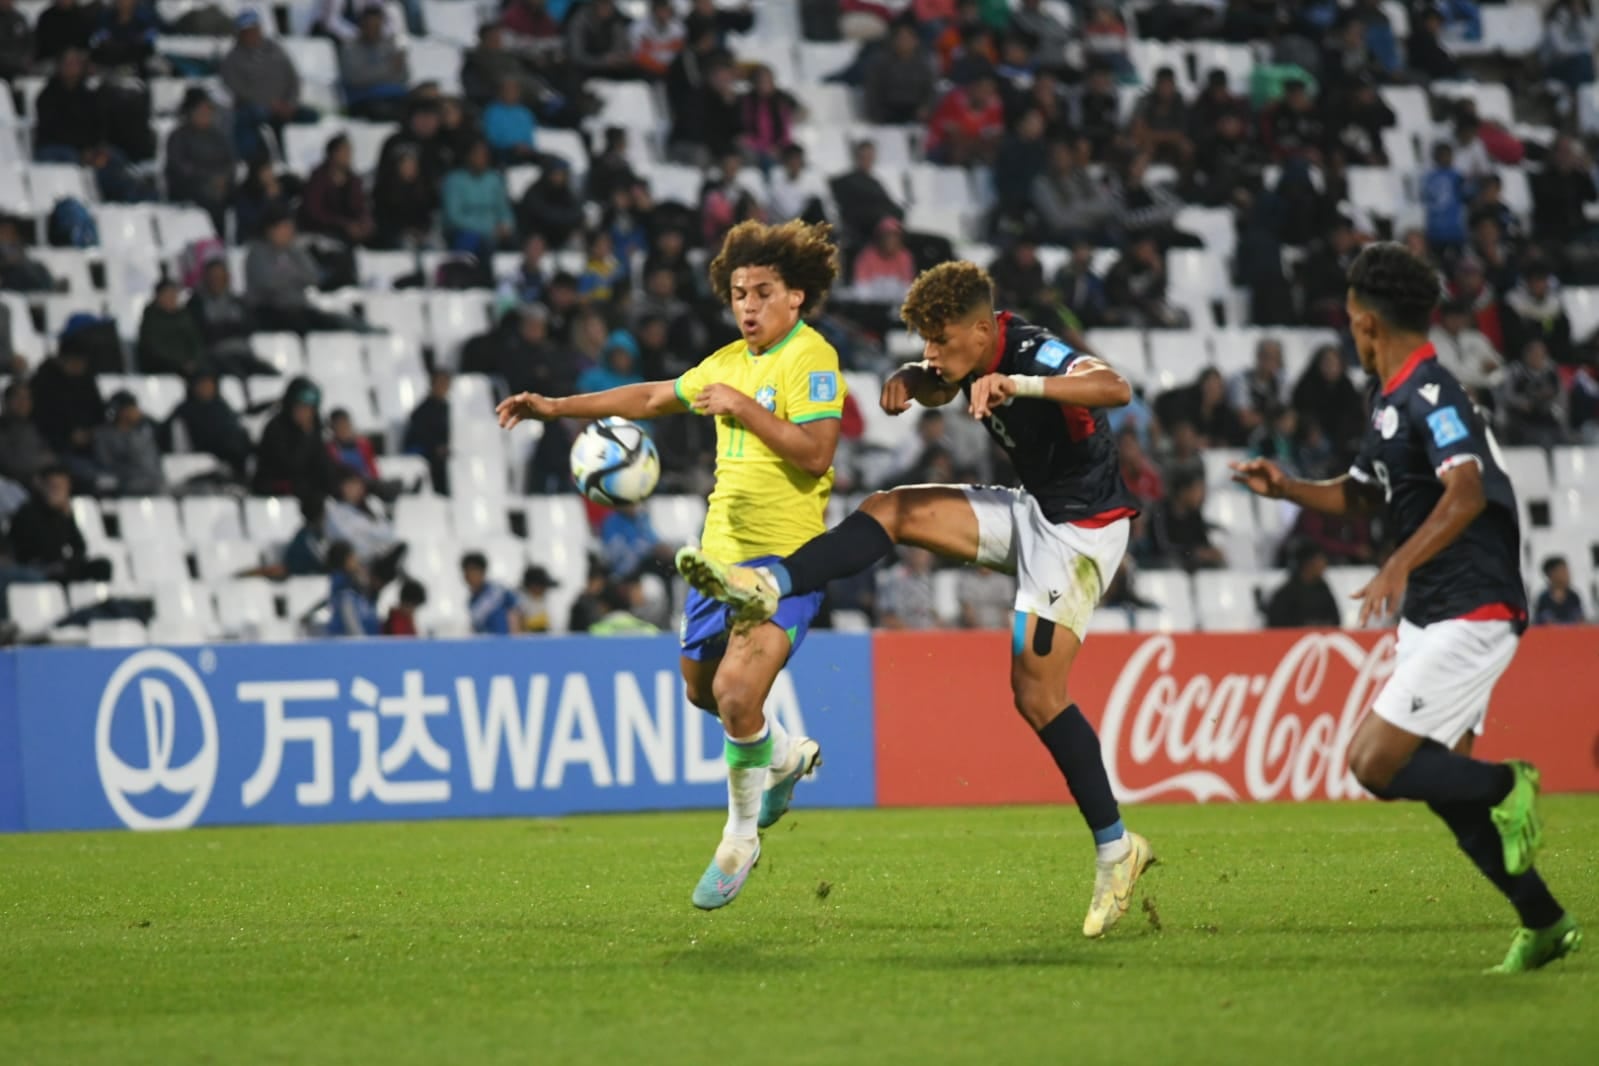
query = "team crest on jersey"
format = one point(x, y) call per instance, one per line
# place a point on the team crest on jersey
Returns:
point(824, 386)
point(767, 398)
point(1388, 422)
point(1053, 354)
point(1447, 427)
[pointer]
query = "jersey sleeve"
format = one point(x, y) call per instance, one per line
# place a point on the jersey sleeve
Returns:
point(814, 387)
point(1051, 359)
point(692, 380)
point(1450, 428)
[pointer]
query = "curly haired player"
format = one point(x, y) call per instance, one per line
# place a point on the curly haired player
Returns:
point(1063, 533)
point(777, 397)
point(1431, 461)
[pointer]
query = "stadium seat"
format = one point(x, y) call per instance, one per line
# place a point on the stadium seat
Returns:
point(401, 313)
point(271, 520)
point(506, 555)
point(1493, 101)
point(1573, 509)
point(179, 631)
point(156, 562)
point(36, 608)
point(1109, 620)
point(86, 512)
point(1226, 599)
point(1345, 581)
point(411, 471)
point(476, 515)
point(246, 607)
point(49, 183)
point(454, 318)
point(1582, 308)
point(184, 602)
point(380, 270)
point(433, 558)
point(452, 21)
point(630, 104)
point(207, 518)
point(335, 354)
point(117, 633)
point(1529, 473)
point(180, 226)
point(1176, 357)
point(1172, 593)
point(70, 265)
point(301, 595)
point(472, 396)
point(423, 517)
point(1576, 467)
point(678, 520)
point(220, 560)
point(150, 518)
point(397, 397)
point(1232, 348)
point(282, 350)
point(350, 392)
point(392, 354)
point(1233, 59)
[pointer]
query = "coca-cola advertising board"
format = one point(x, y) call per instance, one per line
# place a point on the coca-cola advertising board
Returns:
point(1197, 717)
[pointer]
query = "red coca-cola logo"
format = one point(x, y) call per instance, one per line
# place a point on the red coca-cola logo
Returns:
point(1175, 731)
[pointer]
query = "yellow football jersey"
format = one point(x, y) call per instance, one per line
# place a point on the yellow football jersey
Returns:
point(762, 505)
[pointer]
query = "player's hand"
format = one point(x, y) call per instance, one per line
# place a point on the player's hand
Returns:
point(1382, 596)
point(513, 410)
point(897, 394)
point(720, 399)
point(989, 392)
point(1262, 477)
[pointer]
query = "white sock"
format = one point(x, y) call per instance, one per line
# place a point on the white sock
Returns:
point(1114, 850)
point(744, 788)
point(782, 746)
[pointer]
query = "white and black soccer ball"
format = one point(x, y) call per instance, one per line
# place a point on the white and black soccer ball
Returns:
point(615, 462)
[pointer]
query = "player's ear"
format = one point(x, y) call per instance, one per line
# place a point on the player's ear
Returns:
point(796, 299)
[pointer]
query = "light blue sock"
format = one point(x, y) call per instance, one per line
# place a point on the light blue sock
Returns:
point(779, 572)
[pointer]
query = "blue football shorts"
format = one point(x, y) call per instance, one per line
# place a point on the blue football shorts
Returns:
point(706, 622)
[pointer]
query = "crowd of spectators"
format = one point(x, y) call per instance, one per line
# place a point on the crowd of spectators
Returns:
point(1027, 101)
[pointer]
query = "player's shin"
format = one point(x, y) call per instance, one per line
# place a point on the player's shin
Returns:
point(782, 748)
point(1475, 833)
point(748, 759)
point(848, 548)
point(1074, 746)
point(1434, 774)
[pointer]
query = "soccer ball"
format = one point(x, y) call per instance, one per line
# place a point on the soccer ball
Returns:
point(614, 462)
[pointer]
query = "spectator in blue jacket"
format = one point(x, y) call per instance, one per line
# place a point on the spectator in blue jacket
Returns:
point(1559, 604)
point(477, 212)
point(1444, 197)
point(629, 543)
point(509, 126)
point(351, 610)
point(495, 609)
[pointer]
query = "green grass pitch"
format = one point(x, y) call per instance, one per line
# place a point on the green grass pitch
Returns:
point(1299, 935)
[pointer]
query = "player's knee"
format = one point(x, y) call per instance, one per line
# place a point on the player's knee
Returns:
point(700, 694)
point(735, 705)
point(888, 507)
point(1037, 700)
point(1372, 767)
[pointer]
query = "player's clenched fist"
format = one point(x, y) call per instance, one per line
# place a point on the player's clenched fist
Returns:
point(897, 393)
point(719, 399)
point(523, 406)
point(989, 392)
point(1261, 476)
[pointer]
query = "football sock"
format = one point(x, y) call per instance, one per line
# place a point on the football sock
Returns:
point(848, 548)
point(748, 759)
point(1435, 774)
point(1474, 831)
point(782, 747)
point(1074, 746)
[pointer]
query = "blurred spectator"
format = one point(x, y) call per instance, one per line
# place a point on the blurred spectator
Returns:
point(1498, 264)
point(987, 598)
point(1160, 122)
point(611, 170)
point(1179, 532)
point(589, 606)
point(1325, 398)
point(1145, 209)
point(1225, 159)
point(531, 279)
point(1080, 290)
point(720, 18)
point(373, 69)
point(1097, 117)
point(1071, 204)
point(477, 213)
point(1489, 203)
point(1558, 604)
point(63, 25)
point(623, 601)
point(551, 207)
point(68, 118)
point(45, 536)
point(900, 81)
point(1325, 272)
point(657, 39)
point(604, 276)
point(1470, 285)
point(1464, 351)
point(1306, 599)
point(910, 457)
point(510, 128)
point(307, 551)
point(1135, 289)
point(339, 21)
point(278, 272)
point(261, 195)
point(170, 341)
point(494, 609)
point(797, 191)
point(534, 603)
point(1532, 401)
point(352, 517)
point(351, 610)
point(1048, 35)
point(485, 67)
point(766, 119)
point(1561, 194)
point(205, 423)
point(334, 204)
point(597, 40)
point(1204, 405)
point(401, 621)
point(348, 449)
point(1585, 396)
point(1018, 276)
point(125, 449)
point(531, 20)
point(427, 431)
point(1443, 196)
point(1142, 476)
point(967, 124)
point(965, 42)
point(885, 268)
point(264, 84)
point(290, 459)
point(905, 596)
point(1277, 439)
point(23, 450)
point(224, 321)
point(1254, 393)
point(1357, 123)
point(403, 202)
point(16, 42)
point(862, 200)
point(630, 545)
point(1570, 35)
point(67, 407)
point(1425, 53)
point(19, 272)
point(1105, 40)
point(1021, 160)
point(200, 160)
point(617, 368)
point(1533, 312)
point(422, 134)
point(1471, 154)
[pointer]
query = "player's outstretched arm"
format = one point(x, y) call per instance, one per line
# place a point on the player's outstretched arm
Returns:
point(1088, 382)
point(915, 382)
point(1339, 496)
point(649, 399)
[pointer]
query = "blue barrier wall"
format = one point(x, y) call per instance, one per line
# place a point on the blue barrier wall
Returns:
point(330, 732)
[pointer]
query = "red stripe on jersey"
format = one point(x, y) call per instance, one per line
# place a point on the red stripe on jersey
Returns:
point(1412, 361)
point(1079, 421)
point(1003, 320)
point(1104, 518)
point(1493, 612)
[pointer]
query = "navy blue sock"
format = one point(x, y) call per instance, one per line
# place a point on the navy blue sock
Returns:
point(1074, 746)
point(1475, 833)
point(846, 549)
point(1435, 774)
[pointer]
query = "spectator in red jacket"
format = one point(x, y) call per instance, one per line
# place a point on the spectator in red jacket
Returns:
point(967, 124)
point(349, 449)
point(335, 202)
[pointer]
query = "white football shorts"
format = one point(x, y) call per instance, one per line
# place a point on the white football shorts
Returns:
point(1443, 676)
point(1061, 570)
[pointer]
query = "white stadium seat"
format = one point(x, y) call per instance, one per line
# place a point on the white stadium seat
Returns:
point(1172, 593)
point(208, 518)
point(117, 633)
point(283, 350)
point(423, 517)
point(220, 560)
point(151, 518)
point(271, 520)
point(1345, 581)
point(35, 608)
point(1576, 467)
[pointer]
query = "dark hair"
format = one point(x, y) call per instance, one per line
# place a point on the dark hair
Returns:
point(339, 554)
point(1551, 563)
point(474, 560)
point(947, 293)
point(335, 142)
point(412, 594)
point(800, 253)
point(337, 413)
point(51, 470)
point(1398, 287)
point(312, 508)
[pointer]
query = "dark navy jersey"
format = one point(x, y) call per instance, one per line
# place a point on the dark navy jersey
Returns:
point(1064, 455)
point(1422, 425)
